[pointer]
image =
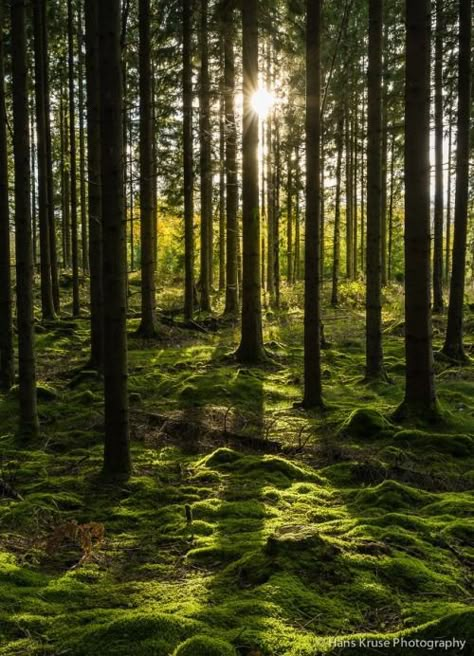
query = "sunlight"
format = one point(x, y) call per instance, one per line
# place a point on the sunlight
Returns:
point(262, 102)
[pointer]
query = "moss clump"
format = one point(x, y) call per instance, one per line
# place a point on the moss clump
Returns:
point(393, 496)
point(461, 446)
point(220, 457)
point(366, 423)
point(202, 645)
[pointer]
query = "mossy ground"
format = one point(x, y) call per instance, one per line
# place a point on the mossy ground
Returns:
point(216, 547)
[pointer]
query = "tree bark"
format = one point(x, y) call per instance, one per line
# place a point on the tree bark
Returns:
point(73, 165)
point(29, 426)
point(7, 372)
point(438, 303)
point(148, 296)
point(82, 152)
point(337, 215)
point(420, 396)
point(453, 345)
point(374, 352)
point(188, 174)
point(312, 311)
point(251, 345)
point(116, 452)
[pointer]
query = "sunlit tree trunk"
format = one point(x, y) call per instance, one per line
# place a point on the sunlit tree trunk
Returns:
point(251, 345)
point(312, 311)
point(188, 175)
point(73, 165)
point(453, 345)
point(82, 151)
point(222, 128)
point(438, 303)
point(116, 452)
point(29, 426)
point(420, 396)
point(337, 215)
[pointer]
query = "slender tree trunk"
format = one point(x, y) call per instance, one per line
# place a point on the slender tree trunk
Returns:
point(447, 267)
point(47, 306)
point(355, 171)
point(269, 141)
point(232, 228)
point(205, 163)
point(337, 215)
point(188, 160)
point(383, 207)
point(438, 303)
point(7, 372)
point(374, 352)
point(132, 199)
point(148, 297)
point(251, 346)
point(323, 220)
point(390, 208)
point(289, 221)
point(312, 311)
point(73, 165)
point(453, 345)
point(420, 396)
point(33, 166)
point(222, 128)
point(349, 248)
point(82, 153)
point(94, 184)
point(116, 452)
point(276, 214)
point(362, 185)
point(29, 426)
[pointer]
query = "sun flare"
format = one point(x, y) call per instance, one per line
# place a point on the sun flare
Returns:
point(262, 102)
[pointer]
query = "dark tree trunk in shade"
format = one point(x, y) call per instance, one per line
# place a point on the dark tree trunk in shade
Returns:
point(232, 192)
point(349, 230)
point(289, 219)
point(438, 303)
point(390, 209)
point(374, 353)
point(251, 345)
point(312, 311)
point(453, 345)
point(29, 426)
point(447, 267)
point(205, 163)
point(148, 296)
point(420, 396)
point(337, 215)
point(222, 129)
point(94, 183)
point(188, 175)
point(47, 305)
point(7, 372)
point(82, 152)
point(116, 452)
point(73, 165)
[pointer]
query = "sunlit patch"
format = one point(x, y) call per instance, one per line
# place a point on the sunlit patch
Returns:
point(262, 102)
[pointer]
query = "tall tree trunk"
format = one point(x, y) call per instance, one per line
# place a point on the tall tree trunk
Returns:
point(269, 141)
point(82, 153)
point(251, 345)
point(337, 215)
point(33, 166)
point(205, 163)
point(65, 186)
point(289, 219)
point(73, 165)
point(312, 311)
point(384, 159)
point(438, 303)
point(148, 297)
point(349, 231)
point(276, 214)
point(222, 128)
point(232, 198)
point(390, 207)
point(47, 306)
point(7, 372)
point(132, 199)
point(188, 174)
point(29, 426)
point(374, 352)
point(447, 267)
point(116, 452)
point(453, 345)
point(420, 396)
point(94, 184)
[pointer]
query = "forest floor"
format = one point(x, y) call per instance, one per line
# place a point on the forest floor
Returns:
point(248, 526)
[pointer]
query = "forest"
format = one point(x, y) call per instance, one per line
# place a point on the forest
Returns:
point(236, 328)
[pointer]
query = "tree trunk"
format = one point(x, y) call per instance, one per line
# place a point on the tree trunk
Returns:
point(374, 353)
point(438, 303)
point(73, 165)
point(251, 346)
point(337, 215)
point(222, 128)
point(205, 163)
point(232, 192)
point(270, 191)
point(289, 220)
point(447, 267)
point(188, 174)
point(390, 208)
point(349, 231)
point(47, 306)
point(420, 396)
point(148, 296)
point(29, 426)
point(94, 184)
point(276, 213)
point(7, 372)
point(312, 320)
point(116, 452)
point(453, 345)
point(82, 154)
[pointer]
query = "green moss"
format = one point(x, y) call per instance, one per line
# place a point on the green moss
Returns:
point(366, 423)
point(391, 496)
point(461, 446)
point(202, 645)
